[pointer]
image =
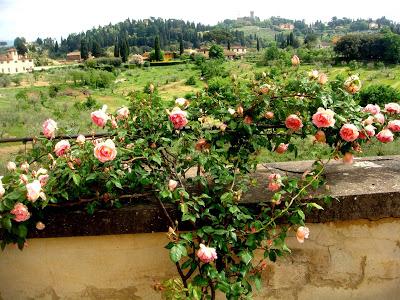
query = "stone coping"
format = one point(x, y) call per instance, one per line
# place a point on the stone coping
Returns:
point(368, 189)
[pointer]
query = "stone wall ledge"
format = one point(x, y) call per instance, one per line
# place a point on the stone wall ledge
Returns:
point(368, 189)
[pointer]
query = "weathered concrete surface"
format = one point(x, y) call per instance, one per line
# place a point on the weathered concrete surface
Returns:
point(368, 189)
point(341, 260)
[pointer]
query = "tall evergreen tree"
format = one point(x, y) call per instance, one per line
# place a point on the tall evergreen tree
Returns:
point(157, 49)
point(258, 44)
point(96, 49)
point(84, 49)
point(229, 45)
point(181, 49)
point(116, 48)
point(124, 49)
point(56, 47)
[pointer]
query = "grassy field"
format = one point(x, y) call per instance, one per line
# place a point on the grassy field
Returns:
point(23, 108)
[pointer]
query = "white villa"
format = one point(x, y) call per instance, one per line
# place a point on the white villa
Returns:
point(12, 63)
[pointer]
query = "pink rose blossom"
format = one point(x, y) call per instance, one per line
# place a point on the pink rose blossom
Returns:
point(99, 117)
point(322, 79)
point(11, 166)
point(275, 182)
point(81, 139)
point(295, 60)
point(379, 118)
point(25, 167)
point(40, 226)
point(324, 118)
point(282, 148)
point(122, 113)
point(370, 130)
point(348, 158)
point(320, 136)
point(394, 125)
point(61, 148)
point(206, 254)
point(349, 132)
point(269, 115)
point(293, 122)
point(302, 233)
point(392, 108)
point(372, 108)
point(172, 184)
point(43, 179)
point(49, 128)
point(105, 151)
point(178, 118)
point(21, 212)
point(23, 179)
point(385, 136)
point(33, 189)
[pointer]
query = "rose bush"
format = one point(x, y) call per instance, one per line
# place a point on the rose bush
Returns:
point(199, 154)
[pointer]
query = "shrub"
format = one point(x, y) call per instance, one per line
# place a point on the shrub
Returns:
point(216, 52)
point(5, 80)
point(153, 56)
point(378, 94)
point(212, 68)
point(53, 90)
point(191, 80)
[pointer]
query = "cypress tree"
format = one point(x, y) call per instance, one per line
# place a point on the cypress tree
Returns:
point(157, 49)
point(116, 48)
point(56, 47)
point(229, 45)
point(258, 44)
point(124, 49)
point(181, 46)
point(84, 49)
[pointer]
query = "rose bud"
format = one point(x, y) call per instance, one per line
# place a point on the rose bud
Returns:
point(172, 184)
point(295, 60)
point(269, 115)
point(302, 233)
point(348, 158)
point(206, 254)
point(282, 148)
point(40, 226)
point(11, 166)
point(240, 110)
point(320, 136)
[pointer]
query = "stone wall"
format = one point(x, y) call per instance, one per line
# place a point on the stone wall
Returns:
point(353, 251)
point(341, 260)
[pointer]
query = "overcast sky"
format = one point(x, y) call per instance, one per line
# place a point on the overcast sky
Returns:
point(55, 18)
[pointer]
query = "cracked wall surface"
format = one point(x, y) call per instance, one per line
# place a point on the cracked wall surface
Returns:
point(357, 259)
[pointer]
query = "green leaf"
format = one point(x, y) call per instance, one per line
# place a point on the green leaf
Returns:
point(200, 281)
point(76, 178)
point(301, 214)
point(246, 256)
point(177, 252)
point(6, 223)
point(315, 205)
point(22, 231)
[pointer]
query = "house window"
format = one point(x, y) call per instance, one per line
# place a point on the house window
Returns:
point(23, 68)
point(16, 70)
point(16, 62)
point(2, 70)
point(9, 71)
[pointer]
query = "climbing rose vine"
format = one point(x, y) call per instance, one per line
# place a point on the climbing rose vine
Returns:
point(199, 154)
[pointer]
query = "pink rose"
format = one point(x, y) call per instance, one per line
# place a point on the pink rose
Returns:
point(21, 212)
point(372, 108)
point(81, 139)
point(368, 121)
point(105, 151)
point(348, 158)
point(178, 118)
point(49, 128)
point(349, 132)
point(99, 117)
point(40, 226)
point(275, 182)
point(269, 115)
point(302, 233)
point(172, 184)
point(323, 118)
point(61, 148)
point(122, 113)
point(206, 254)
point(25, 167)
point(282, 148)
point(320, 136)
point(23, 179)
point(385, 136)
point(322, 79)
point(43, 179)
point(33, 189)
point(370, 130)
point(379, 118)
point(394, 125)
point(392, 108)
point(293, 122)
point(11, 166)
point(295, 60)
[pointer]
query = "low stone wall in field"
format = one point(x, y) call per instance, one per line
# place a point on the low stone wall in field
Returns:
point(353, 251)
